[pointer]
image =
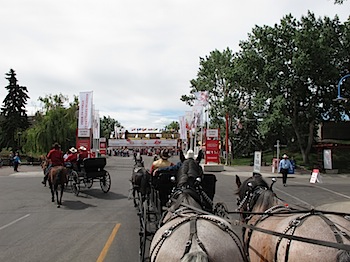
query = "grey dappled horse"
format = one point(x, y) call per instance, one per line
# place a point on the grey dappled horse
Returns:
point(256, 196)
point(190, 234)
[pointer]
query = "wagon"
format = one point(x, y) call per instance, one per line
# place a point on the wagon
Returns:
point(91, 170)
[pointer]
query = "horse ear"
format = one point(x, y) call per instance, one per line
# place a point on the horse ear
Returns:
point(238, 181)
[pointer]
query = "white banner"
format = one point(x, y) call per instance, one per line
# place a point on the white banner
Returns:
point(257, 161)
point(201, 98)
point(142, 143)
point(85, 110)
point(96, 125)
point(183, 130)
point(327, 158)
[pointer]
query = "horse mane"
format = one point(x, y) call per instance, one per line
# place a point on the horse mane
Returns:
point(183, 197)
point(265, 200)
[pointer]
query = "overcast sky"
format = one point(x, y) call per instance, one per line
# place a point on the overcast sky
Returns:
point(136, 56)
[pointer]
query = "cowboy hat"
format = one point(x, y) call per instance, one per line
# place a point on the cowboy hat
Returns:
point(82, 148)
point(73, 150)
point(284, 156)
point(190, 154)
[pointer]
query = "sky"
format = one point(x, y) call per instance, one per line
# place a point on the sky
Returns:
point(137, 56)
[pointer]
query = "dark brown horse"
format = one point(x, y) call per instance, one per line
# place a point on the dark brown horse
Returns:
point(139, 182)
point(57, 177)
point(254, 195)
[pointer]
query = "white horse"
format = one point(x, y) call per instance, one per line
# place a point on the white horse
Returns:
point(190, 234)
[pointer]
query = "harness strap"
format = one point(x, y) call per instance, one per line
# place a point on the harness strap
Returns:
point(193, 232)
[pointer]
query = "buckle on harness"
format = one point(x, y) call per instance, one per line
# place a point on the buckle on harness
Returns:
point(188, 243)
point(295, 222)
point(167, 233)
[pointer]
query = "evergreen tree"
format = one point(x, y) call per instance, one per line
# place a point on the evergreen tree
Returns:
point(14, 118)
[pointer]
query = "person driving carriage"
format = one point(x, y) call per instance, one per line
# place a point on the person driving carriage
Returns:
point(189, 171)
point(55, 158)
point(82, 154)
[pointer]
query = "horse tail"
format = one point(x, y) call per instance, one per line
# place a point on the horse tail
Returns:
point(343, 256)
point(58, 176)
point(195, 256)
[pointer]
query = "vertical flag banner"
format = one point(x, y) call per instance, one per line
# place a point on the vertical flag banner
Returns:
point(183, 129)
point(201, 98)
point(96, 125)
point(197, 115)
point(188, 119)
point(85, 110)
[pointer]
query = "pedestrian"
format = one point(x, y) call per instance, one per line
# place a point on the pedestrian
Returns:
point(284, 167)
point(16, 162)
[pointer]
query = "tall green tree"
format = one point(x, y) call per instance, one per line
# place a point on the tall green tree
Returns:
point(56, 122)
point(228, 101)
point(173, 126)
point(107, 126)
point(297, 64)
point(14, 118)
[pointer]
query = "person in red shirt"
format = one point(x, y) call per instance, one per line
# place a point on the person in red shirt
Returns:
point(82, 154)
point(55, 158)
point(72, 157)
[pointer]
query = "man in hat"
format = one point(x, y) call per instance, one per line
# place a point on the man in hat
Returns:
point(72, 157)
point(82, 154)
point(283, 168)
point(162, 162)
point(55, 158)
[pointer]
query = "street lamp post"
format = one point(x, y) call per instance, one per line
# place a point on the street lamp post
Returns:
point(339, 97)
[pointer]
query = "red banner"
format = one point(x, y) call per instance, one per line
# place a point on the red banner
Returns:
point(212, 152)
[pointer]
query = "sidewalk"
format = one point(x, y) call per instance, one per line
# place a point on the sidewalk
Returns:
point(7, 170)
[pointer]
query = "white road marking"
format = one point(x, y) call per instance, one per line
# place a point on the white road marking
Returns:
point(28, 174)
point(14, 221)
point(331, 191)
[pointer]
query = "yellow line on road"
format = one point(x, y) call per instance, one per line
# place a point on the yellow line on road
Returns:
point(108, 244)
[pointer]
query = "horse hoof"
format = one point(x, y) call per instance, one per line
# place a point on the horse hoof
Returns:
point(58, 206)
point(52, 200)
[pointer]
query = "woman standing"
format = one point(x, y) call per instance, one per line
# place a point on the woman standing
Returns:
point(16, 162)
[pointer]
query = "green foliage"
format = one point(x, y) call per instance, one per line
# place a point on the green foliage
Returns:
point(173, 126)
point(107, 126)
point(295, 65)
point(13, 113)
point(56, 124)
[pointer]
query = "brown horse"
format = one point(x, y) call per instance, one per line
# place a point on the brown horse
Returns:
point(320, 229)
point(57, 177)
point(191, 234)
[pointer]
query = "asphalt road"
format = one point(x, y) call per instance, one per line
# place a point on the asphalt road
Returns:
point(95, 226)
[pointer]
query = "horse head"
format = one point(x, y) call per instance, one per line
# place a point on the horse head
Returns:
point(254, 194)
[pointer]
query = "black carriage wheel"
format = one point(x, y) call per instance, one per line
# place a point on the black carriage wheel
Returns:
point(74, 182)
point(105, 182)
point(88, 182)
point(143, 229)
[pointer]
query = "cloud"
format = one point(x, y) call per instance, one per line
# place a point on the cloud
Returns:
point(138, 57)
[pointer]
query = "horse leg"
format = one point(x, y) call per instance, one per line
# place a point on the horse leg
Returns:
point(133, 196)
point(56, 190)
point(52, 191)
point(62, 189)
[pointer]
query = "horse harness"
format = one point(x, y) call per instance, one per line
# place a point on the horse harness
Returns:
point(192, 219)
point(291, 228)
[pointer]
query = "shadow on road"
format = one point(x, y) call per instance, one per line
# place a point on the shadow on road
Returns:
point(97, 193)
point(75, 205)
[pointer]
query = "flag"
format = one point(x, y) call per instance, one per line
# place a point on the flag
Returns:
point(183, 129)
point(201, 98)
point(85, 110)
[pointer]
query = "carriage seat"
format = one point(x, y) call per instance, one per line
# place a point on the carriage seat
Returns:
point(94, 167)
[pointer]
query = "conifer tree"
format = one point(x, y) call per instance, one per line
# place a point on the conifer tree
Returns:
point(14, 118)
